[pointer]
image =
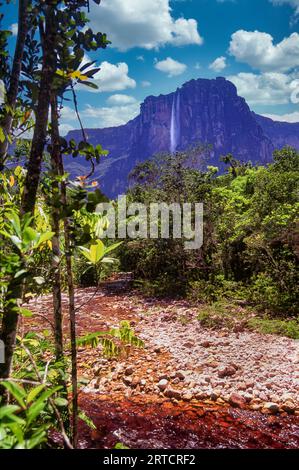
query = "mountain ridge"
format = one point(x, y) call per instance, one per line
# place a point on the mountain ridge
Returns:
point(200, 111)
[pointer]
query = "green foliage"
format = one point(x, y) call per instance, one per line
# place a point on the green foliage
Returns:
point(250, 249)
point(113, 341)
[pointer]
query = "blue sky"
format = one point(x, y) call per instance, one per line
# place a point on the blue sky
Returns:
point(157, 45)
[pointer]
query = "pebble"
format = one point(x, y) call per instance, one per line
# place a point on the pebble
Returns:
point(163, 384)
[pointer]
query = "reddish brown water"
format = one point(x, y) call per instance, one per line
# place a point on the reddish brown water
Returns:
point(182, 426)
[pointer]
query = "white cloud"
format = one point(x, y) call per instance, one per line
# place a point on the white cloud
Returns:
point(292, 117)
point(218, 64)
point(171, 67)
point(116, 100)
point(14, 29)
point(267, 89)
point(110, 116)
point(293, 3)
point(111, 77)
point(140, 58)
point(142, 23)
point(145, 84)
point(257, 49)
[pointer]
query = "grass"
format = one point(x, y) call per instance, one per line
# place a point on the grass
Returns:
point(289, 328)
point(223, 315)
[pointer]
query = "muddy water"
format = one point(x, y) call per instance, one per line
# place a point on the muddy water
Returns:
point(181, 426)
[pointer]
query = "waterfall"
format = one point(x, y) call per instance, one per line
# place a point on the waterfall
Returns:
point(175, 125)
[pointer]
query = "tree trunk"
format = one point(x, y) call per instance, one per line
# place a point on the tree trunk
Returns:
point(15, 289)
point(55, 215)
point(13, 89)
point(72, 312)
point(41, 116)
point(56, 252)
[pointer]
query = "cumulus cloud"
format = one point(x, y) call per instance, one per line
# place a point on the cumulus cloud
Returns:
point(100, 116)
point(147, 24)
point(258, 50)
point(145, 84)
point(291, 117)
point(267, 89)
point(171, 67)
point(118, 99)
point(110, 116)
point(218, 64)
point(111, 77)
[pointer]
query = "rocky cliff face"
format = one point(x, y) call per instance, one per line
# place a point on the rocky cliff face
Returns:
point(201, 111)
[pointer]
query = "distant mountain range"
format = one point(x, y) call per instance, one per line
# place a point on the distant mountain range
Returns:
point(201, 111)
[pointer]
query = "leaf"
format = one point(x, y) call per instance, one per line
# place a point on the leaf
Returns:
point(89, 84)
point(29, 235)
point(8, 410)
point(59, 401)
point(34, 392)
point(112, 247)
point(16, 391)
point(11, 181)
point(25, 312)
point(87, 420)
point(34, 411)
point(2, 135)
point(44, 238)
point(97, 252)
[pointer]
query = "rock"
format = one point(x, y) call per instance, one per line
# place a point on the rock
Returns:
point(180, 375)
point(272, 408)
point(289, 407)
point(163, 376)
point(189, 344)
point(187, 396)
point(128, 381)
point(237, 400)
point(129, 370)
point(226, 371)
point(163, 384)
point(248, 397)
point(206, 344)
point(171, 393)
point(157, 349)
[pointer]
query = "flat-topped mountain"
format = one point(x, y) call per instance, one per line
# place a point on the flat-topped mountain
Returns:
point(201, 111)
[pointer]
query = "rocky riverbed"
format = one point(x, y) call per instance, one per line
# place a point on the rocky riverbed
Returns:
point(181, 359)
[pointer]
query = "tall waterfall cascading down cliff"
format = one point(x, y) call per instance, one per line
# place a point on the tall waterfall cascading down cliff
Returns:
point(175, 123)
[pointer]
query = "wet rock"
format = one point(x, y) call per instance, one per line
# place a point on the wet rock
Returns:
point(163, 384)
point(226, 371)
point(237, 400)
point(171, 393)
point(272, 408)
